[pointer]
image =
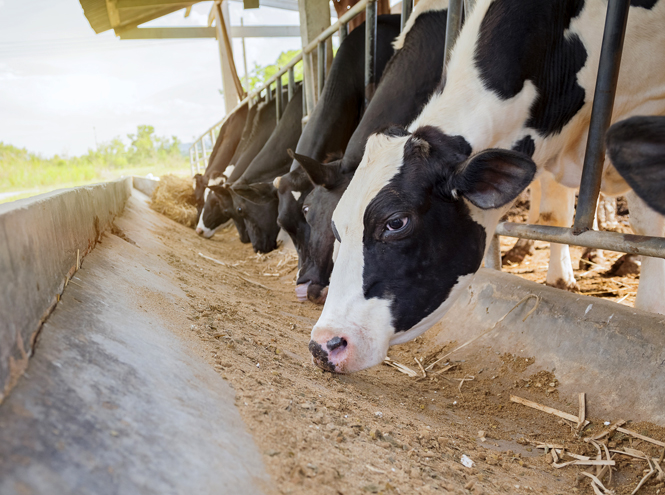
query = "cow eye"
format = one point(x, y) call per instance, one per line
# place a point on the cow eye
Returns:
point(395, 224)
point(239, 209)
point(305, 209)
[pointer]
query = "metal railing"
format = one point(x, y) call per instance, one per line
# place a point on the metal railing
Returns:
point(199, 153)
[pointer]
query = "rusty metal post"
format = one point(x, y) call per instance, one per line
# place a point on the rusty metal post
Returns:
point(493, 256)
point(292, 83)
point(370, 51)
point(453, 27)
point(601, 113)
point(278, 98)
point(407, 7)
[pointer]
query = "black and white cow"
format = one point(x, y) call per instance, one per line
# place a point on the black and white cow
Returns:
point(254, 138)
point(220, 158)
point(411, 76)
point(636, 147)
point(219, 209)
point(415, 222)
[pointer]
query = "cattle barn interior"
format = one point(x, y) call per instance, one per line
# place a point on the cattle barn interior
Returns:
point(139, 357)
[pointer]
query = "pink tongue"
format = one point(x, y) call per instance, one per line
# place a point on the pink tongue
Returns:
point(301, 291)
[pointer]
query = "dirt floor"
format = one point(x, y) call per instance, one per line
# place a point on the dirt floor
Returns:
point(378, 431)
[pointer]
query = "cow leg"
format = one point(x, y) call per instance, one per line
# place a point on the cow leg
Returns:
point(645, 221)
point(524, 247)
point(557, 205)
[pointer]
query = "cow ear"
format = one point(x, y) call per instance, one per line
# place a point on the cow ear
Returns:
point(492, 178)
point(636, 147)
point(261, 193)
point(326, 175)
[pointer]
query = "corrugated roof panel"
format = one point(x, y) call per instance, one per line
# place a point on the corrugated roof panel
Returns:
point(97, 15)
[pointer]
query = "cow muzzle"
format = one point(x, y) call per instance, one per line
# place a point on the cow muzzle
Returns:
point(330, 355)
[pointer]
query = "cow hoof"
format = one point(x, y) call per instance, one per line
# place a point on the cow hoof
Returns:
point(562, 284)
point(590, 258)
point(628, 264)
point(521, 249)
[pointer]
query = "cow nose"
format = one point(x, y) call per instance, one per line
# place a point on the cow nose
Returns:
point(335, 343)
point(199, 230)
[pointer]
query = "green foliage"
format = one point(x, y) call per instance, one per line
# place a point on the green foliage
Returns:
point(20, 168)
point(260, 74)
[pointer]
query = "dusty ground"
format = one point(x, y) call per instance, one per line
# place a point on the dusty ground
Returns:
point(377, 431)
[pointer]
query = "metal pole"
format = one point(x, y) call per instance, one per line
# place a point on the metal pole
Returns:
point(601, 113)
point(407, 7)
point(493, 256)
point(204, 150)
point(268, 94)
point(343, 33)
point(453, 26)
point(370, 51)
point(244, 58)
point(196, 149)
point(191, 161)
point(304, 102)
point(292, 83)
point(212, 140)
point(278, 98)
point(321, 69)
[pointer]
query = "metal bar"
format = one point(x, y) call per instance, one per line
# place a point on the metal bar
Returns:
point(268, 94)
point(204, 150)
point(343, 33)
point(278, 98)
point(493, 256)
point(292, 83)
point(407, 7)
point(191, 161)
point(370, 51)
point(612, 241)
point(453, 26)
point(601, 113)
point(196, 150)
point(304, 103)
point(321, 67)
point(212, 141)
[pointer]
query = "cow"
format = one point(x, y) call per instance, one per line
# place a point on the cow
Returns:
point(636, 147)
point(329, 129)
point(254, 138)
point(411, 76)
point(219, 209)
point(416, 220)
point(222, 152)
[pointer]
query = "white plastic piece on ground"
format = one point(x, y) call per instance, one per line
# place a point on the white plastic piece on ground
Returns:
point(466, 461)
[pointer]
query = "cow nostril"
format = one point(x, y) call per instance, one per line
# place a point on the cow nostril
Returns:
point(336, 342)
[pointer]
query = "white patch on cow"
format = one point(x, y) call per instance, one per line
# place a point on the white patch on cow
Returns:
point(228, 171)
point(205, 194)
point(205, 231)
point(216, 181)
point(422, 7)
point(296, 195)
point(645, 221)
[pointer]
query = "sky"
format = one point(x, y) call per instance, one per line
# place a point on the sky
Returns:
point(64, 88)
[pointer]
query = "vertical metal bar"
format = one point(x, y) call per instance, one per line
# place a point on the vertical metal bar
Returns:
point(321, 69)
point(204, 151)
point(268, 93)
point(212, 140)
point(191, 161)
point(407, 7)
point(304, 100)
point(453, 26)
point(278, 98)
point(292, 82)
point(493, 256)
point(370, 51)
point(343, 32)
point(196, 149)
point(601, 113)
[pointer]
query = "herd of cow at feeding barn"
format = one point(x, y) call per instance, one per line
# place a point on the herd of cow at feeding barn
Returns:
point(391, 207)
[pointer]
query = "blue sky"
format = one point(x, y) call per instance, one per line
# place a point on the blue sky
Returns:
point(62, 86)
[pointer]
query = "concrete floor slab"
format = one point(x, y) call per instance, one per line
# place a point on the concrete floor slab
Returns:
point(114, 400)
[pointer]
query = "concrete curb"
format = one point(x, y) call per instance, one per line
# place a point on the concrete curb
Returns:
point(146, 186)
point(614, 353)
point(41, 239)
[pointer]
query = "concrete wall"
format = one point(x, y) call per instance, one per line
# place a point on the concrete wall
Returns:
point(39, 241)
point(146, 186)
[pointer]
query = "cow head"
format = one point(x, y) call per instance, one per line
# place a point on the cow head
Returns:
point(257, 205)
point(411, 230)
point(292, 189)
point(329, 185)
point(200, 184)
point(636, 147)
point(218, 209)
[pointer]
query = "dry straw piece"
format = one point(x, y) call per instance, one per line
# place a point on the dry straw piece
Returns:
point(174, 198)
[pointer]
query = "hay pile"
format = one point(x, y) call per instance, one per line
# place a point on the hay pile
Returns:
point(174, 197)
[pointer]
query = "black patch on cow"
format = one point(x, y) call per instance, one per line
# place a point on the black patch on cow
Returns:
point(320, 356)
point(417, 269)
point(394, 131)
point(522, 40)
point(645, 4)
point(525, 145)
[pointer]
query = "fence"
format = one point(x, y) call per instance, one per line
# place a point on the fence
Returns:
point(582, 233)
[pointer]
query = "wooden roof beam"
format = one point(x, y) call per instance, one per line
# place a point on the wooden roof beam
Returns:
point(141, 4)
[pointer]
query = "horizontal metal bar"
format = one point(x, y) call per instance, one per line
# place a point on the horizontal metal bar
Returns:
point(265, 31)
point(612, 241)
